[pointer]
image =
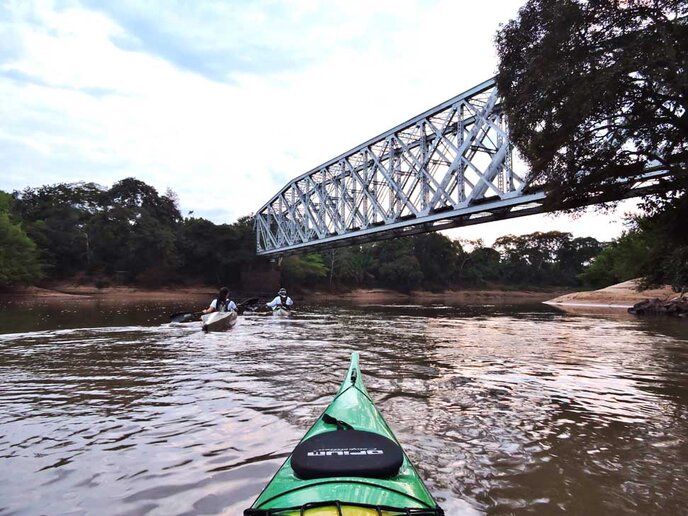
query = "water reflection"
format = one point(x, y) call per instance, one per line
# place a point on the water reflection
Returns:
point(51, 313)
point(503, 409)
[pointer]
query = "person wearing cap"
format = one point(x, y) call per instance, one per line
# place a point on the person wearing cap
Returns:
point(282, 299)
point(221, 303)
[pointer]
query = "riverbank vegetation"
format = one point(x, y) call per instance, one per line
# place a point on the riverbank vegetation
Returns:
point(129, 234)
point(596, 94)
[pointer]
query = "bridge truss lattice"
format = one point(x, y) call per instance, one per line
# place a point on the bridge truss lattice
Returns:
point(450, 166)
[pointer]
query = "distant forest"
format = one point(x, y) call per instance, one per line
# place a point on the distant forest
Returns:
point(131, 234)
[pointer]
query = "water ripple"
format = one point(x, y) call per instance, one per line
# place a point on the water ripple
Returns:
point(502, 410)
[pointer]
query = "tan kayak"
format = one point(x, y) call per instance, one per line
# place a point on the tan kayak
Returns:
point(219, 321)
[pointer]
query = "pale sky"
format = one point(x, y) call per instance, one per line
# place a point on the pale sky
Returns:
point(225, 101)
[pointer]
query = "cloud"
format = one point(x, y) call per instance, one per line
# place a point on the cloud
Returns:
point(223, 102)
point(210, 39)
point(220, 39)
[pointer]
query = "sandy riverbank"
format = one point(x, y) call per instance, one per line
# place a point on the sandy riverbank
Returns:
point(115, 293)
point(621, 295)
point(450, 297)
point(356, 296)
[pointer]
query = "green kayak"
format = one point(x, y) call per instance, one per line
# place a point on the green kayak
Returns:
point(348, 464)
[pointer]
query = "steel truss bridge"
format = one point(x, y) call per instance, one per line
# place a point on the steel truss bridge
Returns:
point(450, 166)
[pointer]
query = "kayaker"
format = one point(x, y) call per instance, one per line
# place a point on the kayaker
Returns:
point(282, 299)
point(221, 303)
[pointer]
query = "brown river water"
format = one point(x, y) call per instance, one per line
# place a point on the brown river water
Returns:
point(106, 409)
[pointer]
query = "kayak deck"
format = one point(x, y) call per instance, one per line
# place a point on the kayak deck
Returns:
point(395, 489)
point(219, 321)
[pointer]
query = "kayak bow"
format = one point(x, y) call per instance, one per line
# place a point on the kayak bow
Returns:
point(281, 311)
point(348, 464)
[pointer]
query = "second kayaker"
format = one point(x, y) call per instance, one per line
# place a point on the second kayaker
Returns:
point(282, 299)
point(221, 303)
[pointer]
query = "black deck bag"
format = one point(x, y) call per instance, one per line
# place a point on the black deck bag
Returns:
point(348, 453)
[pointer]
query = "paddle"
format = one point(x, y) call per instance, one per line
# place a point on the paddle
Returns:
point(183, 317)
point(242, 305)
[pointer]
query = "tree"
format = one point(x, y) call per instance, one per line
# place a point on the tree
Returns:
point(437, 257)
point(482, 265)
point(596, 91)
point(549, 258)
point(218, 254)
point(396, 265)
point(528, 259)
point(304, 269)
point(350, 265)
point(56, 218)
point(655, 248)
point(137, 231)
point(82, 227)
point(19, 263)
point(537, 249)
point(575, 256)
point(138, 197)
point(665, 230)
point(619, 261)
